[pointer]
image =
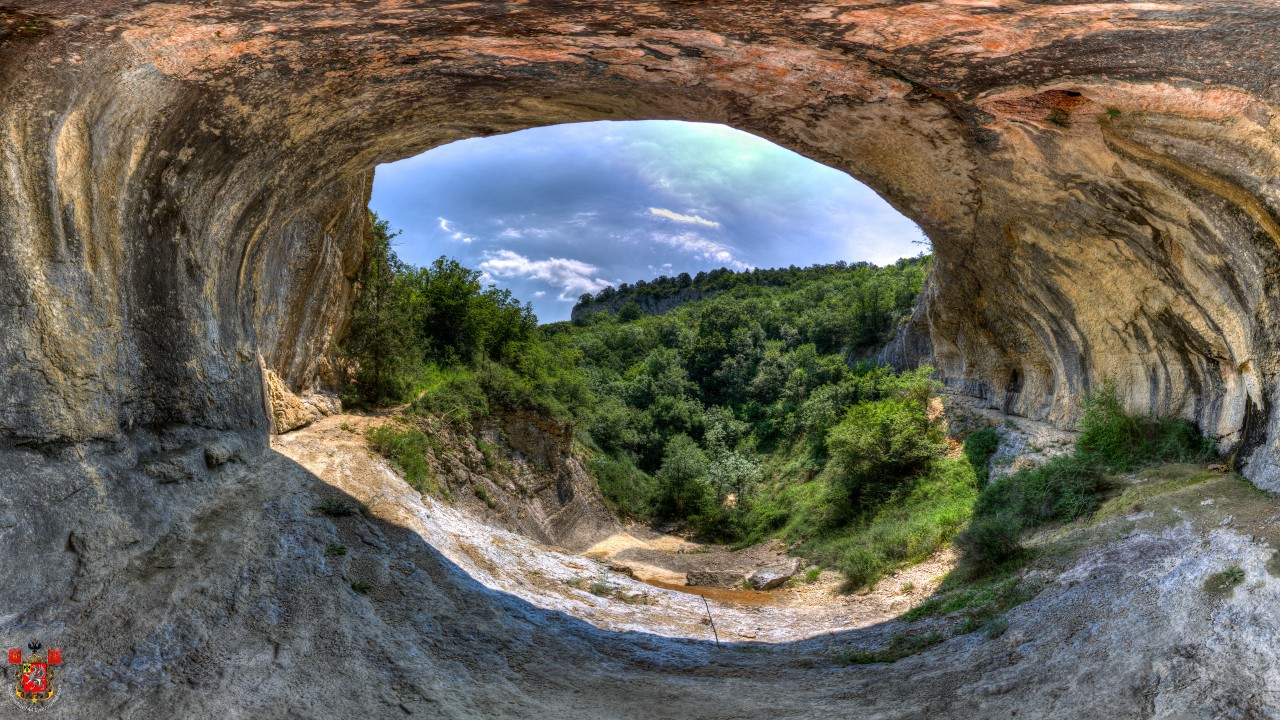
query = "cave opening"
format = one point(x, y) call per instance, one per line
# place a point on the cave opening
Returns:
point(706, 288)
point(184, 208)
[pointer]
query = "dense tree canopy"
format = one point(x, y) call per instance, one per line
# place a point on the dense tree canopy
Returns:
point(748, 411)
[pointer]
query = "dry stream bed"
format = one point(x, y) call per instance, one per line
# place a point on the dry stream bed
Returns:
point(633, 581)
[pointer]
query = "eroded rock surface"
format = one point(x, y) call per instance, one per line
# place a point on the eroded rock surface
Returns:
point(182, 205)
point(185, 181)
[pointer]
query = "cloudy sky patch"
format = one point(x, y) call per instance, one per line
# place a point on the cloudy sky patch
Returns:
point(572, 277)
point(673, 215)
point(567, 209)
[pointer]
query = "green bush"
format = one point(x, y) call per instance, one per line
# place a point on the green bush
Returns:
point(1064, 488)
point(407, 450)
point(991, 541)
point(879, 446)
point(979, 446)
point(1070, 486)
point(1118, 442)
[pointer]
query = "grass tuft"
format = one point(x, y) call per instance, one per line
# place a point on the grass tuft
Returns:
point(483, 493)
point(900, 646)
point(331, 507)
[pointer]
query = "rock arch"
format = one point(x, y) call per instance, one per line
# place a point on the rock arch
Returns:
point(184, 182)
point(181, 206)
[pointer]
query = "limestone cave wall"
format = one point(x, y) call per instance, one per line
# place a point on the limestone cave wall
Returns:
point(184, 182)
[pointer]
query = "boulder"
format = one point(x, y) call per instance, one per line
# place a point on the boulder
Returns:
point(771, 576)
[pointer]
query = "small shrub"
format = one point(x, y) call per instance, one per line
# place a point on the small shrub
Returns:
point(362, 587)
point(333, 550)
point(489, 452)
point(1070, 486)
point(991, 541)
point(877, 447)
point(483, 493)
point(1064, 488)
point(1223, 582)
point(334, 508)
point(599, 588)
point(979, 446)
point(1118, 442)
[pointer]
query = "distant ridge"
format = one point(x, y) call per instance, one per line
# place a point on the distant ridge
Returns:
point(666, 293)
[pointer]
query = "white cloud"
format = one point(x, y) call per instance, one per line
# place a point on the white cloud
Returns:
point(698, 246)
point(673, 215)
point(454, 234)
point(573, 277)
point(539, 293)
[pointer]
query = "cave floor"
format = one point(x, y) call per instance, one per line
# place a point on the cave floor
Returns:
point(1161, 605)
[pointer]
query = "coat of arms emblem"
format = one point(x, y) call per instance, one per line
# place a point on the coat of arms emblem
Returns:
point(34, 689)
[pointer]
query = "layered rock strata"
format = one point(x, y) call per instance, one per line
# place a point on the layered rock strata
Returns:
point(184, 183)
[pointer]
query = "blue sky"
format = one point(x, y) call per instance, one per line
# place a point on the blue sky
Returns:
point(558, 211)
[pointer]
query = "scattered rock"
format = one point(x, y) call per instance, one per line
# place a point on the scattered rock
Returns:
point(771, 576)
point(715, 578)
point(216, 454)
point(622, 569)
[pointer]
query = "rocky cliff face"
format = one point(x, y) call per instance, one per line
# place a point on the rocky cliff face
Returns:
point(184, 182)
point(519, 472)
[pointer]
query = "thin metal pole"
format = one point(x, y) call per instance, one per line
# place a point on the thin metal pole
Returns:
point(711, 620)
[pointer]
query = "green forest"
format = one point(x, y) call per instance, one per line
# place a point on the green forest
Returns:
point(753, 411)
